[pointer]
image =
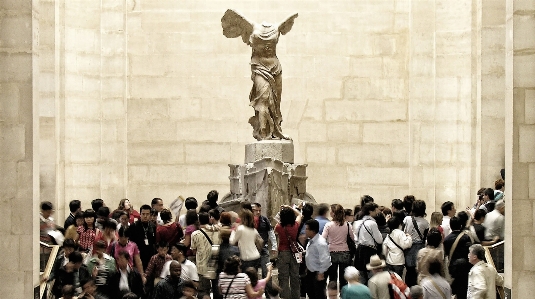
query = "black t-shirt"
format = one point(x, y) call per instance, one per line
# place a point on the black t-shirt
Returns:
point(480, 231)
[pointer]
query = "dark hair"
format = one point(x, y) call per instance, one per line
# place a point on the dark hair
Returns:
point(192, 218)
point(386, 211)
point(369, 207)
point(323, 209)
point(366, 199)
point(121, 204)
point(204, 218)
point(75, 257)
point(155, 201)
point(356, 210)
point(232, 265)
point(313, 225)
point(434, 237)
point(338, 214)
point(455, 223)
point(418, 208)
point(332, 285)
point(124, 254)
point(189, 284)
point(393, 223)
point(435, 267)
point(74, 205)
point(247, 218)
point(181, 247)
point(273, 290)
point(205, 208)
point(407, 203)
point(118, 213)
point(144, 207)
point(307, 211)
point(490, 193)
point(90, 213)
point(166, 215)
point(214, 213)
point(69, 243)
point(498, 184)
point(124, 231)
point(253, 275)
point(246, 205)
point(380, 219)
point(212, 196)
point(446, 207)
point(287, 217)
point(397, 204)
point(153, 212)
point(130, 295)
point(79, 215)
point(103, 212)
point(256, 204)
point(47, 206)
point(348, 212)
point(100, 243)
point(97, 204)
point(225, 219)
point(191, 203)
point(110, 224)
point(162, 244)
point(463, 216)
point(479, 213)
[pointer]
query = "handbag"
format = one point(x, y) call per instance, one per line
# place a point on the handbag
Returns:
point(295, 247)
point(211, 267)
point(351, 243)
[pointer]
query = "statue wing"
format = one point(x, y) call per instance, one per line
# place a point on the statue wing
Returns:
point(287, 24)
point(234, 25)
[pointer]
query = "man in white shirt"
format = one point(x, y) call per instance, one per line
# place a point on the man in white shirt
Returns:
point(495, 222)
point(448, 211)
point(189, 269)
point(483, 278)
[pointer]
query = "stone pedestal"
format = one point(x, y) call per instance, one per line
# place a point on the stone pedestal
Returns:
point(268, 177)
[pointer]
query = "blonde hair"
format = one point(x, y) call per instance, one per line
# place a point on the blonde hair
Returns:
point(436, 219)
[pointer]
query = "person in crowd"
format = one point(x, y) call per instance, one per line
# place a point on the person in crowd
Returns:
point(103, 215)
point(71, 274)
point(306, 214)
point(368, 239)
point(154, 214)
point(170, 231)
point(225, 249)
point(417, 292)
point(323, 210)
point(478, 229)
point(90, 288)
point(67, 292)
point(394, 244)
point(189, 290)
point(215, 215)
point(192, 225)
point(349, 217)
point(125, 244)
point(332, 290)
point(69, 246)
point(448, 211)
point(266, 231)
point(417, 227)
point(482, 278)
point(71, 232)
point(122, 219)
point(189, 269)
point(88, 231)
point(126, 279)
point(171, 286)
point(96, 204)
point(380, 281)
point(430, 253)
point(336, 233)
point(273, 291)
point(102, 267)
point(211, 200)
point(109, 235)
point(363, 200)
point(156, 263)
point(499, 187)
point(201, 244)
point(46, 222)
point(398, 210)
point(488, 200)
point(225, 220)
point(318, 261)
point(354, 289)
point(245, 235)
point(157, 204)
point(435, 284)
point(380, 219)
point(191, 205)
point(143, 234)
point(495, 222)
point(436, 221)
point(234, 284)
point(287, 230)
point(458, 265)
point(356, 213)
point(126, 206)
point(256, 283)
point(387, 212)
point(408, 201)
point(74, 206)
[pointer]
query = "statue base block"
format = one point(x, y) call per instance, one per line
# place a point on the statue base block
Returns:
point(282, 150)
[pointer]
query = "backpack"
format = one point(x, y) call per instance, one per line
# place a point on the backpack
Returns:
point(397, 288)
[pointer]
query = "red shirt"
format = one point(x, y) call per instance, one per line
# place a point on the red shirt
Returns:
point(169, 233)
point(87, 237)
point(283, 239)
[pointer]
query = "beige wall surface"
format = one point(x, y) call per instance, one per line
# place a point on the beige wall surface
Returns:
point(380, 98)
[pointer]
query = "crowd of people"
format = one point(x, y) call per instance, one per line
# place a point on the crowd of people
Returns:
point(319, 250)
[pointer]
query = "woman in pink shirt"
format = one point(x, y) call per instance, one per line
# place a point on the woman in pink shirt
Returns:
point(258, 284)
point(336, 232)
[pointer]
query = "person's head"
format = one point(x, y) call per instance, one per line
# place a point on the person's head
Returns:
point(393, 223)
point(376, 264)
point(348, 215)
point(69, 246)
point(479, 215)
point(212, 197)
point(166, 215)
point(103, 214)
point(232, 265)
point(157, 204)
point(365, 199)
point(476, 253)
point(47, 209)
point(89, 286)
point(162, 248)
point(225, 219)
point(448, 209)
point(417, 292)
point(67, 291)
point(435, 267)
point(75, 206)
point(124, 235)
point(338, 214)
point(247, 218)
point(434, 237)
point(204, 218)
point(488, 195)
point(175, 269)
point(351, 274)
point(370, 209)
point(386, 211)
point(191, 217)
point(76, 259)
point(464, 217)
point(499, 184)
point(356, 211)
point(191, 203)
point(312, 227)
point(332, 290)
point(253, 275)
point(323, 209)
point(130, 295)
point(188, 289)
point(418, 208)
point(408, 200)
point(456, 223)
point(287, 217)
point(436, 219)
point(246, 205)
point(144, 213)
point(306, 211)
point(257, 209)
point(123, 257)
point(178, 251)
point(397, 205)
point(109, 227)
point(89, 218)
point(123, 218)
point(500, 206)
point(99, 247)
point(154, 216)
point(125, 204)
point(79, 218)
point(204, 209)
point(380, 219)
point(97, 204)
point(273, 290)
point(214, 216)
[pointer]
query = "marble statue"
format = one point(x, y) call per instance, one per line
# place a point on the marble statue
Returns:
point(265, 96)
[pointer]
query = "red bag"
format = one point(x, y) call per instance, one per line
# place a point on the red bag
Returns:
point(398, 289)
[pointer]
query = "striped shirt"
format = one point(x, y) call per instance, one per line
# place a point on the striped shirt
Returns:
point(237, 288)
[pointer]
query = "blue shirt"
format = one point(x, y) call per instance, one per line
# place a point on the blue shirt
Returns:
point(360, 291)
point(318, 258)
point(322, 221)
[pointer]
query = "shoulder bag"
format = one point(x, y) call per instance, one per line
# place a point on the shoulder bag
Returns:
point(295, 247)
point(351, 243)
